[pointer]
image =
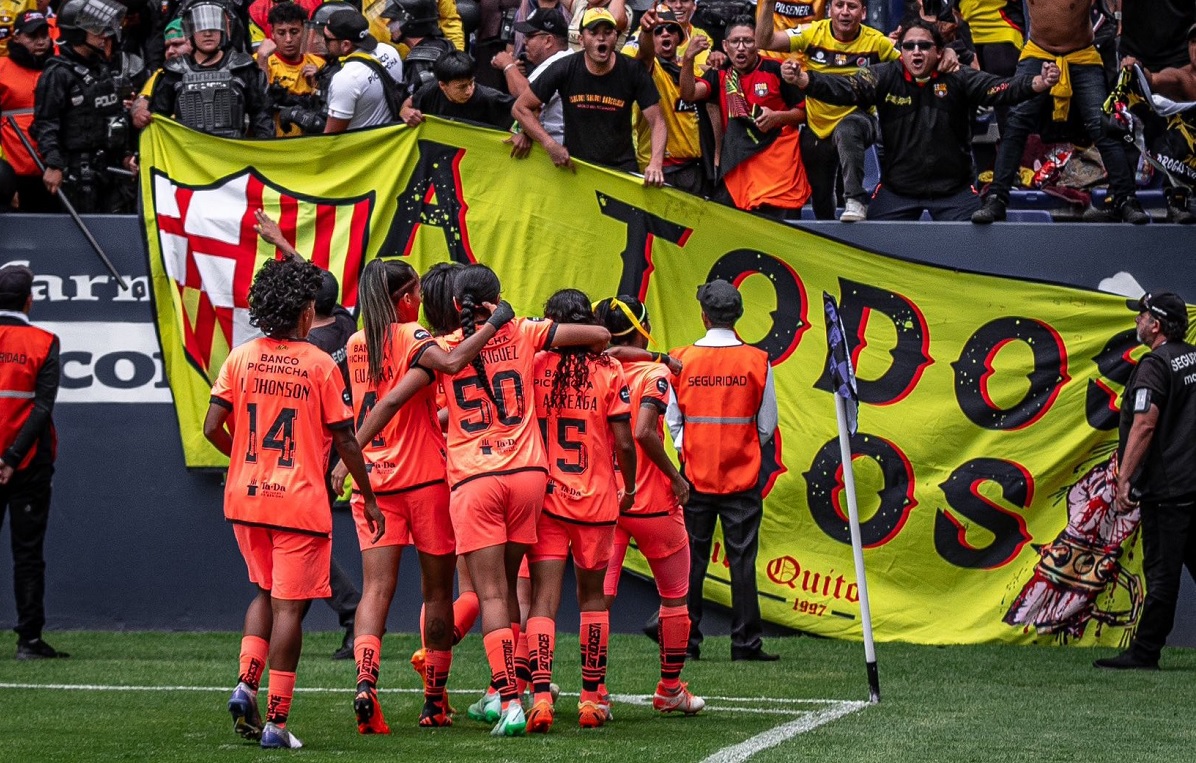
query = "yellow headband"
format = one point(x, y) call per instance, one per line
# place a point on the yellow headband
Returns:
point(635, 322)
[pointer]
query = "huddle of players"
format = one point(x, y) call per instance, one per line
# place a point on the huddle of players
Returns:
point(491, 438)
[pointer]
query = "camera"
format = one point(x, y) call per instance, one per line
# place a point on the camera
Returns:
point(506, 29)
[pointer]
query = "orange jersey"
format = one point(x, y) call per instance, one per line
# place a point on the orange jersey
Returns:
point(581, 461)
point(409, 451)
point(285, 396)
point(649, 385)
point(486, 438)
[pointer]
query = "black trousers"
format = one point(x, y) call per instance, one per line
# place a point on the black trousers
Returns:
point(1168, 545)
point(26, 499)
point(740, 514)
point(887, 205)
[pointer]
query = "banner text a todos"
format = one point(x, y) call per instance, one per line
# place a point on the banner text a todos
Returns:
point(984, 399)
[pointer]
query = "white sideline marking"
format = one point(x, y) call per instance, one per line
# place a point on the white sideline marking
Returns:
point(807, 722)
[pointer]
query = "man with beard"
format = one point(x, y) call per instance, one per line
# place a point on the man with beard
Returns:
point(545, 41)
point(660, 37)
point(28, 50)
point(79, 121)
point(216, 89)
point(925, 122)
point(176, 44)
point(597, 90)
point(761, 165)
point(1061, 31)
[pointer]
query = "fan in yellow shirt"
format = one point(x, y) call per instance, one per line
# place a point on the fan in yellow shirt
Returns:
point(290, 73)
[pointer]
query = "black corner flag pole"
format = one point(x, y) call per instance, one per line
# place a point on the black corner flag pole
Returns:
point(69, 207)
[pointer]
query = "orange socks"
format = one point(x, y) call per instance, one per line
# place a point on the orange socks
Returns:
point(282, 688)
point(254, 650)
point(523, 672)
point(367, 650)
point(674, 638)
point(465, 613)
point(500, 653)
point(541, 645)
point(436, 672)
point(595, 631)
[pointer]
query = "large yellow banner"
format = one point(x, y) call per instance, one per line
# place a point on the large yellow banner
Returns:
point(988, 408)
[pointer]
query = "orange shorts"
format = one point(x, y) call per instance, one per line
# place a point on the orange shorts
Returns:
point(656, 537)
point(497, 509)
point(590, 545)
point(418, 517)
point(290, 565)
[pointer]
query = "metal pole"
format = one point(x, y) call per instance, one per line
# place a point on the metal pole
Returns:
point(69, 207)
point(857, 550)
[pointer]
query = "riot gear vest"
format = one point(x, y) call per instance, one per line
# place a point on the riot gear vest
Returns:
point(130, 66)
point(212, 99)
point(96, 120)
point(417, 67)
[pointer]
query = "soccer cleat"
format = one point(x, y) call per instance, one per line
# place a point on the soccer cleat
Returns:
point(242, 705)
point(418, 664)
point(854, 211)
point(369, 713)
point(435, 715)
point(513, 722)
point(555, 691)
point(678, 699)
point(539, 720)
point(276, 737)
point(604, 703)
point(591, 715)
point(486, 709)
point(36, 649)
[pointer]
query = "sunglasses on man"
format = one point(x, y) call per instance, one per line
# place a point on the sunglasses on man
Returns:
point(666, 29)
point(917, 45)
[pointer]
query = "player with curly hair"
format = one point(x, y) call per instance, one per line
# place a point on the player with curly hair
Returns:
point(286, 402)
point(497, 468)
point(582, 402)
point(654, 519)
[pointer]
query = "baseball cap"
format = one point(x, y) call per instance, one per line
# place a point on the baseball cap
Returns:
point(1160, 304)
point(595, 16)
point(351, 26)
point(174, 31)
point(721, 301)
point(30, 22)
point(547, 20)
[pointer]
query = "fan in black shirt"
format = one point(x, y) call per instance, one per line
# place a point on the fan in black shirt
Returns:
point(455, 95)
point(598, 88)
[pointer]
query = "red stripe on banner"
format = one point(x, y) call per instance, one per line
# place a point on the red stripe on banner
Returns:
point(288, 217)
point(246, 252)
point(321, 254)
point(355, 252)
point(205, 326)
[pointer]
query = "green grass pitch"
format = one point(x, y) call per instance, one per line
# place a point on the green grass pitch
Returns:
point(988, 703)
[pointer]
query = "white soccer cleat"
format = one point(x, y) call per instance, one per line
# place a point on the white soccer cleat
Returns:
point(677, 700)
point(278, 738)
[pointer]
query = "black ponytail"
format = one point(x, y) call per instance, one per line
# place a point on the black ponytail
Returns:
point(476, 284)
point(622, 331)
point(572, 373)
point(439, 284)
point(383, 282)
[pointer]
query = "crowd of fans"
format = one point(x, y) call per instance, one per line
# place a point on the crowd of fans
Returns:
point(766, 107)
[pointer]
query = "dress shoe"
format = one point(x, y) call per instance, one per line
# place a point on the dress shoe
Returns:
point(754, 655)
point(1126, 661)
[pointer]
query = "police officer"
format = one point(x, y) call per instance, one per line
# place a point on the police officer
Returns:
point(417, 23)
point(723, 411)
point(1157, 468)
point(29, 371)
point(80, 122)
point(217, 89)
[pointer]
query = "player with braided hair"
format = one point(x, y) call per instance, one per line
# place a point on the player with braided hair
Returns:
point(407, 472)
point(654, 519)
point(497, 469)
point(582, 403)
point(286, 401)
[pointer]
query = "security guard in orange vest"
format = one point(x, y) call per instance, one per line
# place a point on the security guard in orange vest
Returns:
point(723, 411)
point(28, 386)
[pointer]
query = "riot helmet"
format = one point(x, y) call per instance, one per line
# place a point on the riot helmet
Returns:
point(313, 30)
point(100, 17)
point(416, 18)
point(207, 16)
